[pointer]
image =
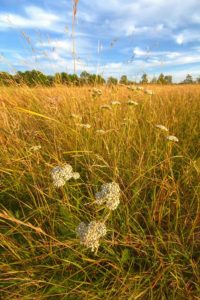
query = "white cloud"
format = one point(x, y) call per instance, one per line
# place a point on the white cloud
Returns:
point(187, 36)
point(35, 18)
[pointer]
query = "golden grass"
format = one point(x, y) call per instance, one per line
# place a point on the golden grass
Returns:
point(152, 248)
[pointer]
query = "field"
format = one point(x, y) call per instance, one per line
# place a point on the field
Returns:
point(151, 248)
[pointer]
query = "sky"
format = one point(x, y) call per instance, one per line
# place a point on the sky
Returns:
point(112, 37)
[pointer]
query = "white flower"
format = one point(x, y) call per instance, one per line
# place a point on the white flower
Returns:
point(172, 138)
point(139, 88)
point(90, 234)
point(109, 194)
point(131, 102)
point(162, 127)
point(35, 148)
point(115, 103)
point(105, 106)
point(149, 92)
point(96, 92)
point(132, 88)
point(76, 175)
point(87, 126)
point(77, 117)
point(62, 174)
point(100, 131)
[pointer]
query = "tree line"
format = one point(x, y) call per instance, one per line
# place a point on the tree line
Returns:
point(34, 77)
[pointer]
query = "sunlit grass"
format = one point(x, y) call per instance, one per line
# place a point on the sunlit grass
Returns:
point(151, 249)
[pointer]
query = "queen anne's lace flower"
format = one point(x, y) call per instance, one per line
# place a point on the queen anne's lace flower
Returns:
point(149, 92)
point(100, 131)
point(35, 148)
point(172, 138)
point(115, 103)
point(162, 127)
point(62, 174)
point(90, 234)
point(105, 106)
point(131, 102)
point(132, 88)
point(77, 117)
point(109, 194)
point(87, 126)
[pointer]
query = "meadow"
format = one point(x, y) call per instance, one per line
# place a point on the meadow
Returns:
point(151, 248)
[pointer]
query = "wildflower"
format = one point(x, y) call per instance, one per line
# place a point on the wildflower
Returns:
point(96, 92)
point(115, 103)
point(105, 106)
point(132, 88)
point(100, 131)
point(90, 234)
point(149, 92)
point(162, 127)
point(35, 148)
point(131, 102)
point(139, 88)
point(77, 117)
point(172, 138)
point(87, 126)
point(109, 194)
point(62, 174)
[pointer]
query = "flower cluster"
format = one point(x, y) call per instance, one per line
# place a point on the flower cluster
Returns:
point(87, 126)
point(62, 174)
point(172, 138)
point(96, 92)
point(115, 102)
point(100, 131)
point(132, 88)
point(131, 102)
point(162, 127)
point(105, 106)
point(90, 234)
point(149, 92)
point(35, 148)
point(109, 194)
point(77, 117)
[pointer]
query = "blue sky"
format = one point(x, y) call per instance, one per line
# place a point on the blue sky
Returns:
point(112, 37)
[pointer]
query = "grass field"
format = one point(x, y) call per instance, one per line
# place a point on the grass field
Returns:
point(151, 249)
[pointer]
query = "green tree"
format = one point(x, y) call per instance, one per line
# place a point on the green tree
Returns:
point(161, 79)
point(188, 79)
point(123, 79)
point(112, 80)
point(198, 80)
point(144, 78)
point(168, 79)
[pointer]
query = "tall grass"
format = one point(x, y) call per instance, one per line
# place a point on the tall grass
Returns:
point(151, 250)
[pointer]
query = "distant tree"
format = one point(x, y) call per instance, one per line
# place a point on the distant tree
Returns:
point(168, 79)
point(99, 79)
point(144, 78)
point(188, 79)
point(123, 79)
point(58, 78)
point(112, 80)
point(5, 78)
point(85, 77)
point(64, 78)
point(198, 80)
point(74, 80)
point(161, 79)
